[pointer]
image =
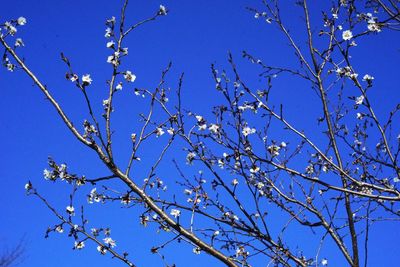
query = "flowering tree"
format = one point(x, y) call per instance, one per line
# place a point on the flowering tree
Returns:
point(261, 174)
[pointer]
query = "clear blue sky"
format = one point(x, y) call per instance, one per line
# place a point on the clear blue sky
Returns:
point(193, 35)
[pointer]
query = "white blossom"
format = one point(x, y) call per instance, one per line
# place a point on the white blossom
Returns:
point(47, 174)
point(10, 67)
point(353, 76)
point(190, 157)
point(10, 28)
point(86, 79)
point(324, 262)
point(359, 100)
point(113, 59)
point(247, 131)
point(110, 44)
point(59, 229)
point(254, 169)
point(28, 186)
point(70, 210)
point(21, 21)
point(374, 27)
point(74, 78)
point(79, 245)
point(171, 131)
point(109, 241)
point(176, 213)
point(111, 20)
point(199, 118)
point(202, 127)
point(187, 192)
point(368, 78)
point(19, 42)
point(159, 132)
point(124, 51)
point(214, 128)
point(102, 249)
point(94, 196)
point(118, 87)
point(163, 10)
point(129, 76)
point(108, 33)
point(273, 150)
point(347, 35)
point(196, 250)
point(106, 102)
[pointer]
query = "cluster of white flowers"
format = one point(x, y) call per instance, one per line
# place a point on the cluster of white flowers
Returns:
point(247, 106)
point(94, 196)
point(373, 25)
point(274, 150)
point(10, 28)
point(258, 15)
point(346, 72)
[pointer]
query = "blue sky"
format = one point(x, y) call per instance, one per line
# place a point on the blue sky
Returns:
point(193, 35)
